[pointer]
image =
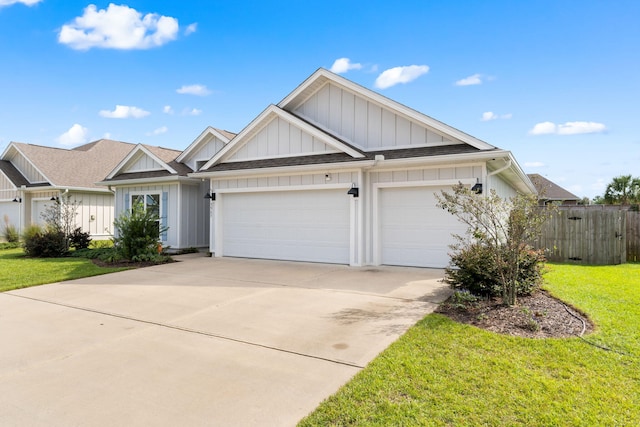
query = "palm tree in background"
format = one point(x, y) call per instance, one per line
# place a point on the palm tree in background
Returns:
point(623, 190)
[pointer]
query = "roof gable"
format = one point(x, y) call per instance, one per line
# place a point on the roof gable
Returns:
point(204, 147)
point(81, 167)
point(276, 133)
point(146, 159)
point(367, 119)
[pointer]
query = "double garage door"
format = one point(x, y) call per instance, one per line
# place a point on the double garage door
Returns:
point(315, 226)
point(287, 225)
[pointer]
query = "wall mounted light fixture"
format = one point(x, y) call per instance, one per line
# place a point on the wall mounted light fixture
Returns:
point(17, 199)
point(211, 196)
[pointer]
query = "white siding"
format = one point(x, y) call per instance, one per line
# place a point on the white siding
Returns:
point(365, 123)
point(205, 152)
point(95, 214)
point(142, 163)
point(279, 138)
point(502, 188)
point(345, 177)
point(27, 169)
point(7, 189)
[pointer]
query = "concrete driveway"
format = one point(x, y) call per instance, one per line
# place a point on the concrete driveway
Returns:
point(200, 342)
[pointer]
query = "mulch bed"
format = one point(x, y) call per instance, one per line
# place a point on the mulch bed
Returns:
point(536, 316)
point(128, 264)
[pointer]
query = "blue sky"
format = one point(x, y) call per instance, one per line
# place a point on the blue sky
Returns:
point(556, 82)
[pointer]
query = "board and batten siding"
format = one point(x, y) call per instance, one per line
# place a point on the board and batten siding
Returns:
point(27, 169)
point(287, 180)
point(142, 164)
point(365, 123)
point(502, 188)
point(95, 213)
point(7, 189)
point(205, 152)
point(194, 220)
point(280, 138)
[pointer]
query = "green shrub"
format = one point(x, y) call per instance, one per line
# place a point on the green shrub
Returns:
point(79, 239)
point(9, 245)
point(138, 234)
point(101, 244)
point(474, 269)
point(47, 243)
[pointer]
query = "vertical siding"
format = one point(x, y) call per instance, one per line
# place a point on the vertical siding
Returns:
point(280, 138)
point(144, 163)
point(365, 123)
point(6, 188)
point(27, 169)
point(194, 221)
point(502, 188)
point(95, 213)
point(206, 151)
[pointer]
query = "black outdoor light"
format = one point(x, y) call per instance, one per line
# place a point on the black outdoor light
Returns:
point(54, 198)
point(354, 191)
point(210, 196)
point(17, 199)
point(477, 188)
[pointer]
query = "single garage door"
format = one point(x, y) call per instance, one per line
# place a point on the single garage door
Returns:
point(413, 231)
point(11, 211)
point(288, 225)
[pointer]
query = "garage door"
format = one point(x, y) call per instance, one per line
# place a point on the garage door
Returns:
point(413, 231)
point(288, 225)
point(11, 211)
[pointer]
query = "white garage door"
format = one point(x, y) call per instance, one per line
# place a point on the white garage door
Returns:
point(11, 211)
point(413, 231)
point(288, 225)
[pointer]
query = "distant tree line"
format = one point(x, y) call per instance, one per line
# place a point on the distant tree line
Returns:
point(622, 190)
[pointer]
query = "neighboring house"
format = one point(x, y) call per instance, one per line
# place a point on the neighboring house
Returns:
point(338, 173)
point(551, 193)
point(158, 178)
point(32, 176)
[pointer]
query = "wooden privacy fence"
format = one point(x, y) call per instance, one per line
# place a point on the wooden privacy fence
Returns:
point(593, 235)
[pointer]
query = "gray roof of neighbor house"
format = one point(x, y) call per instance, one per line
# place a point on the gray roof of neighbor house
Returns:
point(167, 155)
point(80, 167)
point(549, 190)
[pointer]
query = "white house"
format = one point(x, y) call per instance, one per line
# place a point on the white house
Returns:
point(338, 173)
point(158, 177)
point(32, 176)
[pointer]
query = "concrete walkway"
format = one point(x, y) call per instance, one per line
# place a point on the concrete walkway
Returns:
point(205, 341)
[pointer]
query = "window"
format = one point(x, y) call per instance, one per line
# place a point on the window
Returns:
point(150, 202)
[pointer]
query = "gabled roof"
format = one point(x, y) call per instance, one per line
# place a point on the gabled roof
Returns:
point(549, 190)
point(322, 76)
point(223, 135)
point(266, 117)
point(164, 157)
point(80, 167)
point(13, 175)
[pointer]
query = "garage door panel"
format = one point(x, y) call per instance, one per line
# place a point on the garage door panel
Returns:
point(289, 225)
point(413, 230)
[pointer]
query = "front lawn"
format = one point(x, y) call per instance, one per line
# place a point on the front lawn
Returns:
point(445, 373)
point(17, 271)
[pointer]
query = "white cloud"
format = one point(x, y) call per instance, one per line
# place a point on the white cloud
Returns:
point(191, 28)
point(490, 115)
point(4, 3)
point(393, 76)
point(475, 79)
point(118, 27)
point(342, 65)
point(199, 90)
point(107, 135)
point(167, 109)
point(534, 164)
point(124, 112)
point(76, 135)
point(568, 128)
point(158, 131)
point(192, 112)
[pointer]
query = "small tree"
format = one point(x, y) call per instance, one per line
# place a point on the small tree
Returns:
point(138, 234)
point(60, 217)
point(623, 190)
point(502, 227)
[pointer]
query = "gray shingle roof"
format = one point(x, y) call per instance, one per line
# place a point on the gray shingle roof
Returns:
point(13, 174)
point(342, 157)
point(80, 167)
point(549, 190)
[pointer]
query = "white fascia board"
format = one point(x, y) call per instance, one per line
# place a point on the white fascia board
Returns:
point(196, 142)
point(139, 148)
point(453, 159)
point(388, 103)
point(263, 119)
point(15, 147)
point(285, 170)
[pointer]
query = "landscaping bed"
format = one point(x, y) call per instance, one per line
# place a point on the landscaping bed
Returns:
point(535, 316)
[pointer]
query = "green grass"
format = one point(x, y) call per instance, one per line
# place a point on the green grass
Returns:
point(443, 373)
point(17, 271)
